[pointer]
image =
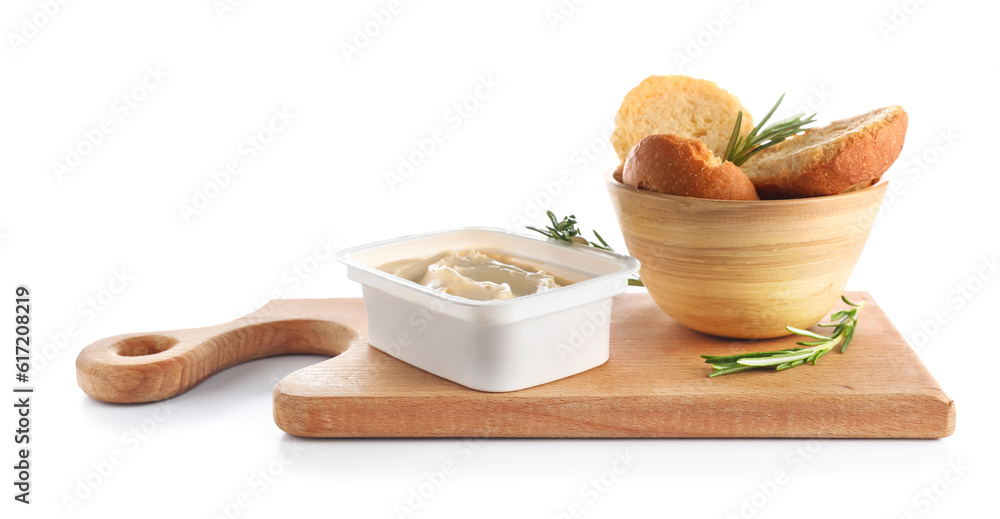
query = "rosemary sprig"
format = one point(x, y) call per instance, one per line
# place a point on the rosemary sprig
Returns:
point(843, 332)
point(565, 230)
point(740, 149)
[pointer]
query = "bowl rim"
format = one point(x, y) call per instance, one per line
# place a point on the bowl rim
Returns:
point(881, 185)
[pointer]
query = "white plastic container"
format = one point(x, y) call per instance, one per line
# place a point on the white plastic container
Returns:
point(501, 345)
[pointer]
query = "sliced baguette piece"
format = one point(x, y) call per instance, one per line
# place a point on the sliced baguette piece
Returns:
point(683, 166)
point(688, 107)
point(845, 155)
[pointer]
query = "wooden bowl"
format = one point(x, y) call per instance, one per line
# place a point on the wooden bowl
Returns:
point(745, 268)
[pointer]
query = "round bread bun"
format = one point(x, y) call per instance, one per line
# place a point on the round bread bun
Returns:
point(681, 166)
point(689, 107)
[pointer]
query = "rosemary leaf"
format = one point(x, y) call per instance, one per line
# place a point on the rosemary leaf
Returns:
point(739, 150)
point(565, 231)
point(811, 351)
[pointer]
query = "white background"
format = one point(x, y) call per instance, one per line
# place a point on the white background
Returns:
point(558, 85)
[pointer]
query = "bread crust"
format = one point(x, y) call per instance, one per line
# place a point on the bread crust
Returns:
point(851, 161)
point(675, 165)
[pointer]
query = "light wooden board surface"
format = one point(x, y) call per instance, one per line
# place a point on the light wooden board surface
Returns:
point(654, 385)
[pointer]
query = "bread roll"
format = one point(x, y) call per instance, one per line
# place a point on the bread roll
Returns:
point(843, 156)
point(689, 107)
point(682, 166)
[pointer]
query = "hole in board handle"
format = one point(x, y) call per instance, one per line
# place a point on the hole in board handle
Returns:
point(144, 345)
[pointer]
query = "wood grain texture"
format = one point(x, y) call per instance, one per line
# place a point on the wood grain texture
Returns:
point(654, 385)
point(745, 269)
point(145, 367)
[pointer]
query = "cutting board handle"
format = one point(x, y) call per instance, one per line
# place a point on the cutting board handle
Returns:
point(145, 367)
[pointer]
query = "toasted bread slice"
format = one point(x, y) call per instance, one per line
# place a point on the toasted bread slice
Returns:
point(843, 156)
point(682, 166)
point(688, 107)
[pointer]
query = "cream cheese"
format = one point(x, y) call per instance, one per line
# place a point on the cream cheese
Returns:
point(472, 275)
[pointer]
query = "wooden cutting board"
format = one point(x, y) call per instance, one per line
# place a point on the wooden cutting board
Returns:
point(654, 385)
